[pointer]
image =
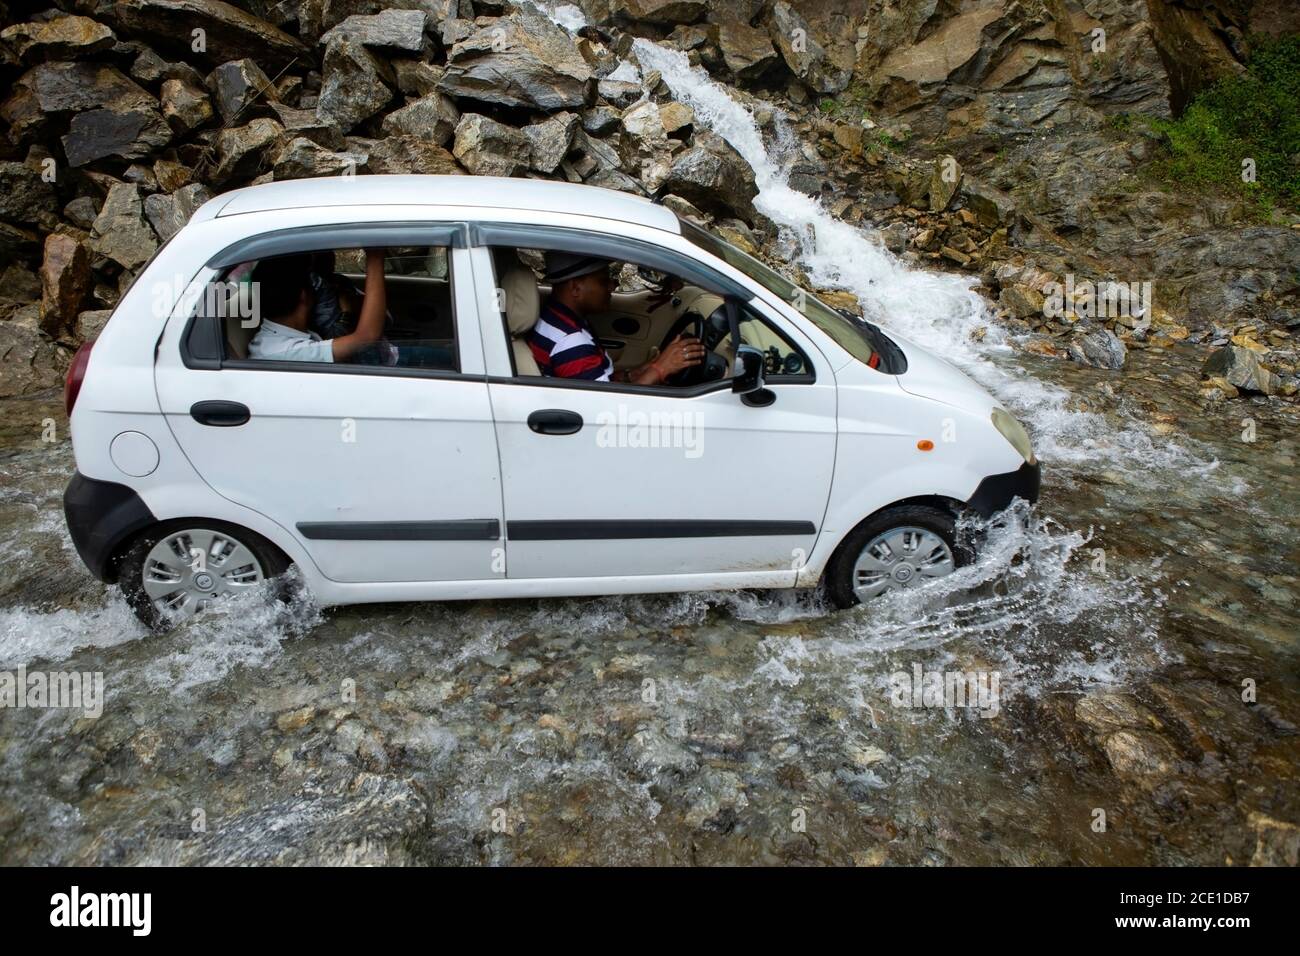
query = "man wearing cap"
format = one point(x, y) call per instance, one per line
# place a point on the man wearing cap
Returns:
point(562, 342)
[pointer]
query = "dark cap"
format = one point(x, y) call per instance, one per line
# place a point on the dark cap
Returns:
point(561, 266)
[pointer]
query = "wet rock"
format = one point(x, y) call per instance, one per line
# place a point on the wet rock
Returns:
point(715, 797)
point(676, 117)
point(120, 232)
point(806, 58)
point(550, 141)
point(65, 283)
point(1022, 301)
point(26, 198)
point(387, 30)
point(945, 180)
point(433, 117)
point(1140, 756)
point(488, 148)
point(244, 151)
point(356, 84)
point(714, 177)
point(169, 212)
point(1104, 712)
point(653, 753)
point(410, 154)
point(237, 85)
point(1099, 349)
point(521, 60)
point(747, 51)
point(1242, 368)
point(185, 107)
point(619, 93)
point(98, 134)
point(1277, 842)
point(54, 89)
point(61, 38)
point(227, 31)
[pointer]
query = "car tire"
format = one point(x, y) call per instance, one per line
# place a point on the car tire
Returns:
point(929, 527)
point(249, 559)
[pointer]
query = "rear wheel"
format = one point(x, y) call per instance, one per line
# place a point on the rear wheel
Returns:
point(899, 549)
point(176, 569)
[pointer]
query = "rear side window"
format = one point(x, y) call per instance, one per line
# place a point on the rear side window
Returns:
point(319, 309)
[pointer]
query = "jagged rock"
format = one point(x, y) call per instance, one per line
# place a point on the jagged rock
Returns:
point(185, 107)
point(600, 120)
point(91, 323)
point(238, 84)
point(550, 141)
point(1242, 368)
point(167, 213)
point(661, 12)
point(28, 361)
point(488, 148)
point(356, 84)
point(17, 243)
point(97, 134)
point(416, 78)
point(992, 207)
point(1141, 756)
point(228, 32)
point(243, 152)
point(806, 58)
point(644, 145)
point(520, 60)
point(65, 283)
point(302, 158)
point(149, 67)
point(120, 232)
point(309, 124)
point(171, 176)
point(62, 38)
point(676, 116)
point(714, 177)
point(51, 89)
point(26, 198)
point(687, 210)
point(945, 179)
point(1022, 301)
point(1099, 349)
point(747, 51)
point(410, 154)
point(1277, 842)
point(619, 93)
point(81, 212)
point(389, 29)
point(433, 117)
point(454, 29)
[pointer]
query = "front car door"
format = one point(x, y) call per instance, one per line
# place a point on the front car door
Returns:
point(655, 482)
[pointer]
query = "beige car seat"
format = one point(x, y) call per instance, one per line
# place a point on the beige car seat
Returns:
point(522, 305)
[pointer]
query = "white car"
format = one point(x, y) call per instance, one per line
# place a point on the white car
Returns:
point(809, 447)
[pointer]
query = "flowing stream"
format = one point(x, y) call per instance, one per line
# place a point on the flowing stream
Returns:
point(1155, 576)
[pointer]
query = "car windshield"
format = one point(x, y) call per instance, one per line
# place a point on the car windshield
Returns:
point(856, 336)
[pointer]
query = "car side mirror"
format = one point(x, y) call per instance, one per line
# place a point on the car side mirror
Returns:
point(748, 372)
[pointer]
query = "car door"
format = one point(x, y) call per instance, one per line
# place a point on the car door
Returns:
point(604, 480)
point(384, 474)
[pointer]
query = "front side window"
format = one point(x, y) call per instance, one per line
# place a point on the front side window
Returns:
point(385, 307)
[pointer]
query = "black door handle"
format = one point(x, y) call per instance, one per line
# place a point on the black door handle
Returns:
point(220, 414)
point(555, 421)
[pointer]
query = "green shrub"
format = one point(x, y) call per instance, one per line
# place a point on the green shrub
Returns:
point(1254, 116)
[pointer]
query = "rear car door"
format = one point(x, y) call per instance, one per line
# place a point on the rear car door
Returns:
point(384, 474)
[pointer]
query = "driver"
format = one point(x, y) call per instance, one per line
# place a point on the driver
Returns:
point(564, 345)
point(286, 300)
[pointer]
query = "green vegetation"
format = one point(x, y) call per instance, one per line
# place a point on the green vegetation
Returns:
point(1255, 116)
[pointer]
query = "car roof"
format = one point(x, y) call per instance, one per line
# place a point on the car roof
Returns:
point(488, 192)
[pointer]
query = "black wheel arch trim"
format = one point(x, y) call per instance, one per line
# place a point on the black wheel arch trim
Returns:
point(995, 492)
point(101, 515)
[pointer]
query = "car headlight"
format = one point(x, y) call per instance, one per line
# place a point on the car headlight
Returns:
point(1015, 433)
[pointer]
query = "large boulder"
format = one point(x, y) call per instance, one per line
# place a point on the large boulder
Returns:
point(433, 117)
point(747, 51)
point(238, 84)
point(409, 154)
point(98, 134)
point(356, 84)
point(169, 212)
point(1242, 368)
point(1099, 349)
point(806, 58)
point(488, 148)
point(57, 89)
point(62, 38)
point(26, 198)
point(658, 12)
point(214, 31)
point(120, 232)
point(714, 177)
point(550, 141)
point(65, 283)
point(387, 30)
point(185, 107)
point(245, 151)
point(523, 59)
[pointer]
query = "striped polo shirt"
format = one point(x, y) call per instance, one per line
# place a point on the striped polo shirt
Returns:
point(564, 346)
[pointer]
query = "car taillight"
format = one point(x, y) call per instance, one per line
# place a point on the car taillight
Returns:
point(76, 374)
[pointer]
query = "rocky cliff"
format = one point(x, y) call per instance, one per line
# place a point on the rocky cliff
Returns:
point(982, 136)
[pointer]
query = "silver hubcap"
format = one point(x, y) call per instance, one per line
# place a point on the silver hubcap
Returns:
point(900, 558)
point(187, 570)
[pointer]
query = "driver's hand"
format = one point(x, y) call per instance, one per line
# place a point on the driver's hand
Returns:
point(681, 353)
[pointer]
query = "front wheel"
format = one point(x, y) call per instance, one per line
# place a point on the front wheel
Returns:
point(899, 549)
point(176, 569)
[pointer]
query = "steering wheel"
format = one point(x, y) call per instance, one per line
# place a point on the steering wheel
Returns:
point(714, 365)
